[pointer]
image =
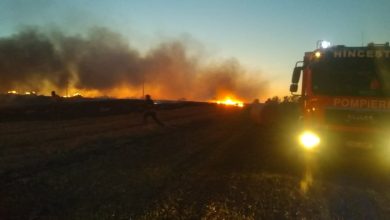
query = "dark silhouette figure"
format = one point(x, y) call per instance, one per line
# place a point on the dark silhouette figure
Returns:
point(149, 111)
point(55, 105)
point(55, 97)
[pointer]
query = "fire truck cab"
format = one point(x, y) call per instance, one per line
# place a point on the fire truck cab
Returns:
point(345, 97)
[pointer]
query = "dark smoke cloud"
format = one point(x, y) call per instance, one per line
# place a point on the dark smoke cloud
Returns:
point(106, 61)
point(28, 59)
point(102, 60)
point(170, 69)
point(230, 76)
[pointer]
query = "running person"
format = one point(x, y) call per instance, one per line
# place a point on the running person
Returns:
point(149, 111)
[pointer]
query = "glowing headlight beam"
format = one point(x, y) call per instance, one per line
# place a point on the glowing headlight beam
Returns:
point(309, 140)
point(317, 54)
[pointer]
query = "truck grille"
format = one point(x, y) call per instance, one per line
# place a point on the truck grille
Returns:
point(351, 117)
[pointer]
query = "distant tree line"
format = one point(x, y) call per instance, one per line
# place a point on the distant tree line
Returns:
point(280, 111)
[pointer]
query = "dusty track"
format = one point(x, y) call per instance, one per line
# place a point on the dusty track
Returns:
point(208, 163)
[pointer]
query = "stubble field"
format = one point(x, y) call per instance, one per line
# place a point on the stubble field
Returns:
point(209, 162)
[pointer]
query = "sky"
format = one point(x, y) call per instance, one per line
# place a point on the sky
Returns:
point(268, 36)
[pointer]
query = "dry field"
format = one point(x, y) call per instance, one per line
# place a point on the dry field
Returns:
point(207, 163)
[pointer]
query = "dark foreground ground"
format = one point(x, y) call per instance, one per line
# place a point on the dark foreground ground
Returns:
point(207, 163)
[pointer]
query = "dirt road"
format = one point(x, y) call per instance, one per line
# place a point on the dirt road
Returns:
point(207, 163)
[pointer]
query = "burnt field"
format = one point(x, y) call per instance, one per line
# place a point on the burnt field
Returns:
point(98, 161)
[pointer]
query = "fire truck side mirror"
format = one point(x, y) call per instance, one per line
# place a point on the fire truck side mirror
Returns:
point(295, 79)
point(296, 74)
point(293, 87)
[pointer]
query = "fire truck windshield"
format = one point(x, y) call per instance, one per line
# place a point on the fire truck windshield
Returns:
point(351, 77)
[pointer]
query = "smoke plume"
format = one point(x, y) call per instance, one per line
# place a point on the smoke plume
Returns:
point(101, 62)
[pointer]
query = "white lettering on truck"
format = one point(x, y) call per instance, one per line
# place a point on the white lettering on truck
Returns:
point(361, 53)
point(361, 103)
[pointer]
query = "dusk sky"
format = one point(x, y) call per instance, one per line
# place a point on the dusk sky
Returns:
point(266, 36)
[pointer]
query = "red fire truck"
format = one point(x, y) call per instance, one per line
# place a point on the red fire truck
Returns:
point(345, 97)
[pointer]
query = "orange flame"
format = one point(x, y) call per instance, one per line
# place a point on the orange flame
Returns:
point(230, 102)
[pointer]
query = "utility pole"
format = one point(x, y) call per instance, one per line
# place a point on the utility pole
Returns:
point(143, 85)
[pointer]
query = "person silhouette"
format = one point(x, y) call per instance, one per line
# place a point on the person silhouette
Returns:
point(149, 111)
point(55, 97)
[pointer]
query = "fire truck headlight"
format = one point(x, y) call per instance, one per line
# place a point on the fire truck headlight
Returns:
point(309, 140)
point(317, 54)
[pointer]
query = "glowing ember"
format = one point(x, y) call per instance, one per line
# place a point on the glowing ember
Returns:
point(30, 93)
point(73, 95)
point(230, 102)
point(12, 92)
